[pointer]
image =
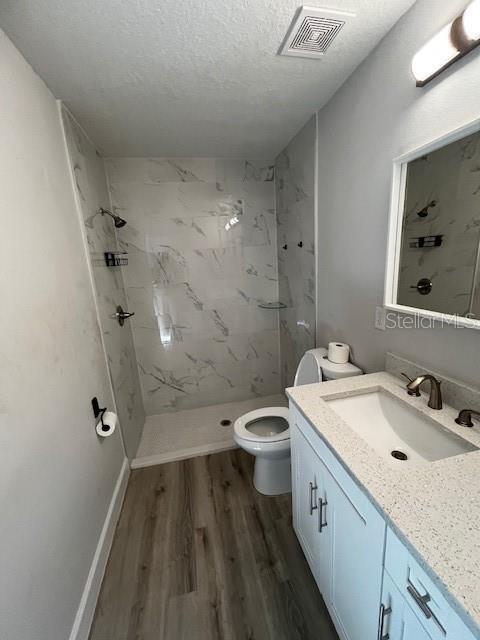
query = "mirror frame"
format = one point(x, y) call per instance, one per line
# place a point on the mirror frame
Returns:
point(395, 223)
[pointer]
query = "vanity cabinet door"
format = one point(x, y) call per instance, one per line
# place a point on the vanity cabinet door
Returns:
point(309, 476)
point(357, 538)
point(397, 621)
point(306, 485)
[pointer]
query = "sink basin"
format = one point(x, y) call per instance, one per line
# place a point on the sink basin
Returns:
point(389, 425)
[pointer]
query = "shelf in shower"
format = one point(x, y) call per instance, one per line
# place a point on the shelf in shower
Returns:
point(116, 258)
point(272, 305)
point(424, 242)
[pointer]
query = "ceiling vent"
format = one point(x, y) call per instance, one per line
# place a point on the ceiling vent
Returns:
point(313, 30)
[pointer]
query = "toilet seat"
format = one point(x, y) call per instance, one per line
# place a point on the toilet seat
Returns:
point(241, 431)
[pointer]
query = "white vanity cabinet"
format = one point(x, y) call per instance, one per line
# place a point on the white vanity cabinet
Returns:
point(423, 599)
point(341, 533)
point(352, 553)
point(410, 612)
point(308, 505)
point(356, 541)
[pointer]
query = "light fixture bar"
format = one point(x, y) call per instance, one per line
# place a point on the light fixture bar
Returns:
point(471, 21)
point(450, 44)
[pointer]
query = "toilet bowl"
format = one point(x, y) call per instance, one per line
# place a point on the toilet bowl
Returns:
point(265, 433)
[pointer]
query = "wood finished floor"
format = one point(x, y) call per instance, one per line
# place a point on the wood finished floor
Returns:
point(199, 554)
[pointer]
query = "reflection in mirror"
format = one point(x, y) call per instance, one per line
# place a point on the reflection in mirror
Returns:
point(440, 249)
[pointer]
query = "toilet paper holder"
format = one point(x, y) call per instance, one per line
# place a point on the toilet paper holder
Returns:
point(99, 411)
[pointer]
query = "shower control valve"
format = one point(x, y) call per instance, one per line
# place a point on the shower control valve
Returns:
point(121, 315)
point(303, 323)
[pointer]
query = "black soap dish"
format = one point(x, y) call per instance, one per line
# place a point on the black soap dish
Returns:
point(424, 242)
point(116, 258)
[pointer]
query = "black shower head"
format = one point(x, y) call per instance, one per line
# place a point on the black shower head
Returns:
point(119, 222)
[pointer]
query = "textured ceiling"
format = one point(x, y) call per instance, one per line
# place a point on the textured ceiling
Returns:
point(188, 77)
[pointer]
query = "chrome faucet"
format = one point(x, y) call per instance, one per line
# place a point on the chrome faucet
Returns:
point(464, 418)
point(413, 389)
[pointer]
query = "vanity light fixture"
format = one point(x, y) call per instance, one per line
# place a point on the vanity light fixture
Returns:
point(471, 21)
point(450, 44)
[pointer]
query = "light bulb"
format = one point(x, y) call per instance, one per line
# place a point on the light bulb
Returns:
point(435, 54)
point(471, 20)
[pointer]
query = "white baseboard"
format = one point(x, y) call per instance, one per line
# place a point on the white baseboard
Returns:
point(181, 454)
point(86, 609)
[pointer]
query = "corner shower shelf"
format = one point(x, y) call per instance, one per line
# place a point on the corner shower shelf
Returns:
point(272, 305)
point(116, 258)
point(424, 242)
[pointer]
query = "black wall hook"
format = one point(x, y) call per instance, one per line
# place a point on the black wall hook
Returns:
point(300, 244)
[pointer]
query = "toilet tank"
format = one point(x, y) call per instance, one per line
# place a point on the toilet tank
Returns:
point(334, 371)
point(315, 367)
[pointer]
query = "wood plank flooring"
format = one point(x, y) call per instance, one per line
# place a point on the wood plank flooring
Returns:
point(199, 554)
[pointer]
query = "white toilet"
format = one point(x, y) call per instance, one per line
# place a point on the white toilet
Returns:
point(265, 433)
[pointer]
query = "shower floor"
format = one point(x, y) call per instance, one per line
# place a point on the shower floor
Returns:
point(174, 436)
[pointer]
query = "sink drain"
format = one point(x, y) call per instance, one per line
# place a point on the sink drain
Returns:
point(399, 455)
point(225, 423)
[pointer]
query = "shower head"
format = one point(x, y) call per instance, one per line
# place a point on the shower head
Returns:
point(118, 221)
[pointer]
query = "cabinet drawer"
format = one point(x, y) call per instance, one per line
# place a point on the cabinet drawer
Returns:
point(397, 620)
point(425, 599)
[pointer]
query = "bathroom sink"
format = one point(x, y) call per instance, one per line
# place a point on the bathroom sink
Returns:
point(396, 430)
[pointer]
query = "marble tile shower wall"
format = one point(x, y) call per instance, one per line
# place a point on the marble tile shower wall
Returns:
point(201, 239)
point(295, 202)
point(92, 190)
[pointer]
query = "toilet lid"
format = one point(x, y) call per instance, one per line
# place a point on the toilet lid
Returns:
point(309, 369)
point(263, 425)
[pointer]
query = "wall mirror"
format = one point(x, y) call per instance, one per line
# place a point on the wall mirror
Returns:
point(433, 257)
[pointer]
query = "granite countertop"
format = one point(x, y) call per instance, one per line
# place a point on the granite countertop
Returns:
point(434, 507)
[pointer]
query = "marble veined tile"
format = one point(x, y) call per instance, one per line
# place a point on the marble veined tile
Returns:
point(155, 170)
point(91, 185)
point(201, 238)
point(230, 170)
point(296, 264)
point(449, 178)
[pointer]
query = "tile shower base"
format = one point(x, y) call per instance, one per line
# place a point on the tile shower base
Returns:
point(174, 436)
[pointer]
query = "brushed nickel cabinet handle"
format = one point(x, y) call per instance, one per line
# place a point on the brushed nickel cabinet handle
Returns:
point(313, 506)
point(384, 611)
point(321, 524)
point(420, 601)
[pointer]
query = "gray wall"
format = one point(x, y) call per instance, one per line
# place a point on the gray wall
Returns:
point(56, 477)
point(378, 115)
point(201, 239)
point(92, 193)
point(295, 205)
